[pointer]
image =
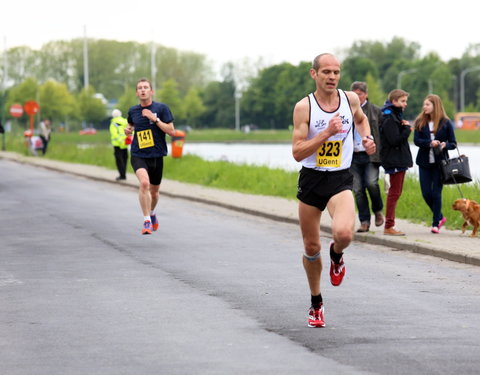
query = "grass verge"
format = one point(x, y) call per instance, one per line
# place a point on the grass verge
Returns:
point(96, 150)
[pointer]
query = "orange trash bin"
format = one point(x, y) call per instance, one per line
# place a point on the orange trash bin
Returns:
point(178, 140)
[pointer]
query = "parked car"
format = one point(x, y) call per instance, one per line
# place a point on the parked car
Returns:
point(87, 131)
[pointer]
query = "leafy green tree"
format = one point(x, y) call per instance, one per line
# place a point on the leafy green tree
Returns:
point(271, 97)
point(169, 95)
point(219, 100)
point(56, 63)
point(356, 69)
point(92, 110)
point(375, 94)
point(385, 54)
point(193, 107)
point(23, 62)
point(259, 101)
point(189, 69)
point(56, 102)
point(470, 60)
point(293, 83)
point(127, 100)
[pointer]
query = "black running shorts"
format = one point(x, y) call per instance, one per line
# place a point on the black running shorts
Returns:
point(154, 167)
point(315, 188)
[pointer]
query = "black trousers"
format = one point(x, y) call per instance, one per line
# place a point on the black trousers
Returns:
point(45, 144)
point(121, 159)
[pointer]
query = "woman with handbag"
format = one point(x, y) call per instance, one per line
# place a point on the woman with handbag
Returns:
point(433, 135)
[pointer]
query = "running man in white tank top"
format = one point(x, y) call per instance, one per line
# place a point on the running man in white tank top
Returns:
point(323, 142)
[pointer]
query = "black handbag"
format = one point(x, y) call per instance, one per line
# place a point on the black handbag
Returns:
point(456, 170)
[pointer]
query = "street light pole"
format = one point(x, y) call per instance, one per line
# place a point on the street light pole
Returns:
point(153, 66)
point(462, 84)
point(238, 95)
point(401, 74)
point(85, 57)
point(455, 92)
point(4, 86)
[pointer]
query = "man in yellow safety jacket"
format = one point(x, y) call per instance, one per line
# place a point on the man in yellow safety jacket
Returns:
point(119, 143)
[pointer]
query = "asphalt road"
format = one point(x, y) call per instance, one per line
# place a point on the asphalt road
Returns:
point(212, 292)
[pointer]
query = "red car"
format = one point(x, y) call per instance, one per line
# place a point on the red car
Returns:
point(88, 131)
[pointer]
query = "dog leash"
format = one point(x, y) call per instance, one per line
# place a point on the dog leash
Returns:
point(458, 187)
point(453, 176)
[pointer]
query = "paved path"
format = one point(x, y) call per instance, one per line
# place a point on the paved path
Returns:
point(449, 244)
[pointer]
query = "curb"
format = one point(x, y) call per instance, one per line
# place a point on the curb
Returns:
point(399, 243)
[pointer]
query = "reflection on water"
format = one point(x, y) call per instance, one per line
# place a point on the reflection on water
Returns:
point(280, 155)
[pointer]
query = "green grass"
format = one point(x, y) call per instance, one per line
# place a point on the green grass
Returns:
point(96, 150)
point(228, 176)
point(467, 136)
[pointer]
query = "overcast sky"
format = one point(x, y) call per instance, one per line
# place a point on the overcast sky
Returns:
point(223, 30)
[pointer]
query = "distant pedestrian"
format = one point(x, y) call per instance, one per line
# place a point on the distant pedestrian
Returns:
point(118, 139)
point(34, 143)
point(394, 152)
point(323, 142)
point(433, 135)
point(151, 122)
point(365, 168)
point(45, 133)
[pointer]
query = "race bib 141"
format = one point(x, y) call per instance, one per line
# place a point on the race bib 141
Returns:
point(145, 138)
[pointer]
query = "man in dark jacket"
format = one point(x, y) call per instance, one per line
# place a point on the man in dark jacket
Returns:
point(365, 168)
point(395, 152)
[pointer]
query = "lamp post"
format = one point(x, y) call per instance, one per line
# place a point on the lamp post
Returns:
point(85, 57)
point(462, 84)
point(401, 74)
point(153, 66)
point(4, 87)
point(455, 92)
point(238, 95)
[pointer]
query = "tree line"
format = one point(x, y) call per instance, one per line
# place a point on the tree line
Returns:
point(54, 76)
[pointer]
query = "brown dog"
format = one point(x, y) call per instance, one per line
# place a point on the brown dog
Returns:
point(471, 213)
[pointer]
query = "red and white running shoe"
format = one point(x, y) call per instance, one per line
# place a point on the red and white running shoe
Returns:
point(337, 270)
point(315, 317)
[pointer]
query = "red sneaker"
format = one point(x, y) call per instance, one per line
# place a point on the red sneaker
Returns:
point(147, 227)
point(154, 222)
point(337, 271)
point(315, 317)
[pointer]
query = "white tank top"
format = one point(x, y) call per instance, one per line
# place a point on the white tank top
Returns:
point(336, 153)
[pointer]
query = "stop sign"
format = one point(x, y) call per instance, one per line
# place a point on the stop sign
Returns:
point(31, 107)
point(16, 110)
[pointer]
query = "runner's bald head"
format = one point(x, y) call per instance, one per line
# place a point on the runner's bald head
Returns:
point(317, 61)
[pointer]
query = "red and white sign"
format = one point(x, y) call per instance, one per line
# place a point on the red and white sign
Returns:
point(16, 110)
point(31, 107)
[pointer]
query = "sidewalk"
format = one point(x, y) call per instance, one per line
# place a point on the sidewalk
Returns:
point(449, 244)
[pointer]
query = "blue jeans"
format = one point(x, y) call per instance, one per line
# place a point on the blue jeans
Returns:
point(365, 178)
point(432, 186)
